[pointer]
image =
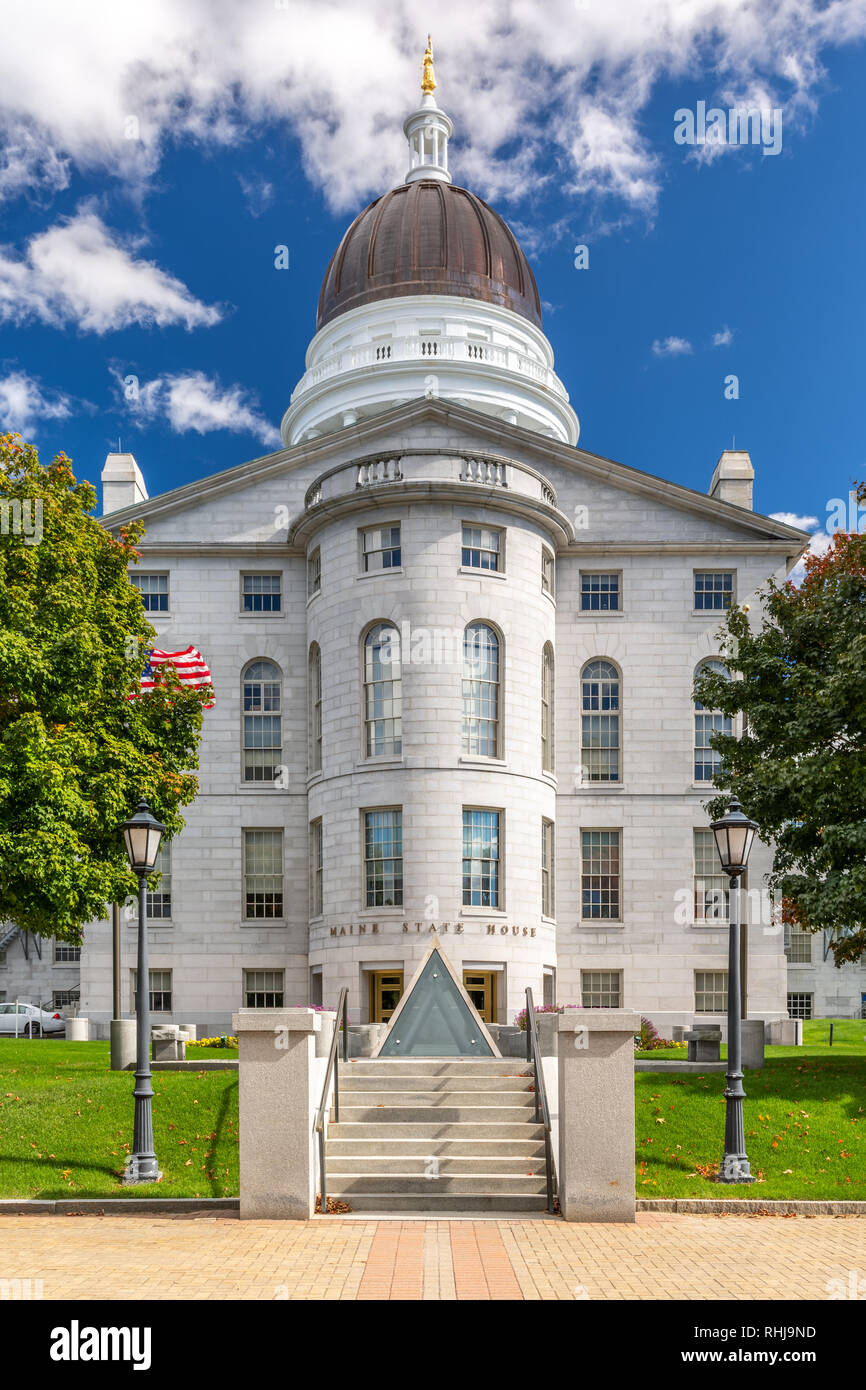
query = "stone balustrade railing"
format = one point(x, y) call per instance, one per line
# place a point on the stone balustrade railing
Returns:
point(469, 470)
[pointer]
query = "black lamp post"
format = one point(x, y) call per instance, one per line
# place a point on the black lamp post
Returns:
point(734, 834)
point(142, 835)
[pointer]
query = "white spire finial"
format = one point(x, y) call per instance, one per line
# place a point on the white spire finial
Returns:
point(428, 130)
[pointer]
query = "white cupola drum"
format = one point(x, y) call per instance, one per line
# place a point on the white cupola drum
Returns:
point(428, 130)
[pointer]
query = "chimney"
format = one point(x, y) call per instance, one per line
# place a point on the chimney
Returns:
point(122, 483)
point(732, 478)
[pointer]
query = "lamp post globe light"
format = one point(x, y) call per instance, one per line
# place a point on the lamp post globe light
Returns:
point(734, 834)
point(142, 835)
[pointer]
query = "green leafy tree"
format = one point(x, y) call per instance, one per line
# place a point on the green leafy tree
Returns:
point(800, 767)
point(75, 753)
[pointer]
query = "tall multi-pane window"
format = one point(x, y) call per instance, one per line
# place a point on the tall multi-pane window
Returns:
point(548, 572)
point(158, 902)
point(314, 572)
point(380, 548)
point(263, 873)
point(798, 946)
point(154, 591)
point(600, 712)
point(159, 982)
point(799, 1005)
point(64, 954)
point(548, 869)
point(600, 874)
point(547, 712)
point(316, 868)
point(383, 707)
point(315, 707)
point(264, 989)
point(601, 989)
point(263, 725)
point(482, 547)
point(383, 858)
point(711, 885)
point(599, 593)
point(481, 859)
point(261, 593)
point(707, 723)
point(711, 991)
point(481, 676)
point(714, 590)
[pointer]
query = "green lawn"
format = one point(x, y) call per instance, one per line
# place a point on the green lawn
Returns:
point(849, 1040)
point(66, 1125)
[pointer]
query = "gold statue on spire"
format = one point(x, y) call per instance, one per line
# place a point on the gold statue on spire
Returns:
point(428, 76)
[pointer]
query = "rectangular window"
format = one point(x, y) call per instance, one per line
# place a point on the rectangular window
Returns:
point(800, 1005)
point(798, 946)
point(263, 873)
point(600, 874)
point(154, 591)
point(601, 989)
point(262, 593)
point(707, 759)
point(383, 858)
point(158, 904)
point(714, 590)
point(160, 990)
point(548, 572)
point(316, 862)
point(64, 998)
point(264, 989)
point(711, 991)
point(314, 572)
point(599, 593)
point(380, 548)
point(711, 885)
point(481, 859)
point(600, 734)
point(263, 723)
point(64, 954)
point(482, 548)
point(548, 888)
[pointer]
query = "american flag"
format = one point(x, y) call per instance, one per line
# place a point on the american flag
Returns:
point(191, 667)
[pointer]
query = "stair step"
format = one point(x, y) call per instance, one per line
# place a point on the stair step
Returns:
point(350, 1082)
point(520, 1100)
point(491, 1183)
point(430, 1131)
point(511, 1205)
point(436, 1066)
point(430, 1166)
point(467, 1147)
point(424, 1114)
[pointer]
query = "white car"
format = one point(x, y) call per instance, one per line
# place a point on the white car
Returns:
point(28, 1021)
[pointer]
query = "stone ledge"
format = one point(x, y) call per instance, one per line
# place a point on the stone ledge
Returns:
point(599, 1021)
point(119, 1206)
point(276, 1020)
point(747, 1206)
point(215, 1064)
point(669, 1065)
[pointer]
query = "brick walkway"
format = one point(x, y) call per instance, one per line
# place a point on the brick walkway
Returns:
point(662, 1256)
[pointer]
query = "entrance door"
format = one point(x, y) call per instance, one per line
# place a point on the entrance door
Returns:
point(480, 985)
point(386, 987)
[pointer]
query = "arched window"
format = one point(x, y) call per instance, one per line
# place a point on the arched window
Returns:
point(383, 711)
point(315, 707)
point(547, 688)
point(600, 712)
point(263, 724)
point(708, 722)
point(481, 676)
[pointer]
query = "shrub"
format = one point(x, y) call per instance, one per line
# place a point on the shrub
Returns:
point(224, 1041)
point(520, 1018)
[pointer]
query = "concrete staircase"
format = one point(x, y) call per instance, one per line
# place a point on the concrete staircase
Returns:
point(437, 1135)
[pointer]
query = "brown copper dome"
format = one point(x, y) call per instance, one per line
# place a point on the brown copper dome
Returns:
point(428, 237)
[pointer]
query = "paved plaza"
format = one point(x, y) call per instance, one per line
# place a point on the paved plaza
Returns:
point(662, 1256)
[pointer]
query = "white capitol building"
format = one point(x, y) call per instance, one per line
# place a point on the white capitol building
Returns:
point(454, 656)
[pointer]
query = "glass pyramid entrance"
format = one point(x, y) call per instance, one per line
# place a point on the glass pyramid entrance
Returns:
point(436, 1018)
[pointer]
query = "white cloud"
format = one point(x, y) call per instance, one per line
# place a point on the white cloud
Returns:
point(818, 545)
point(194, 401)
point(671, 347)
point(803, 523)
point(258, 192)
point(24, 403)
point(723, 338)
point(77, 273)
point(533, 88)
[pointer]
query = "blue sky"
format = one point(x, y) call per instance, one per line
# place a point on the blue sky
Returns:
point(154, 256)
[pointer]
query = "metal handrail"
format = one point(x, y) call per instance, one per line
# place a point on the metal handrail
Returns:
point(542, 1112)
point(332, 1069)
